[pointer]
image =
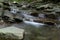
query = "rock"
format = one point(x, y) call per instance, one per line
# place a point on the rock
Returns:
point(17, 4)
point(14, 2)
point(57, 11)
point(42, 7)
point(34, 14)
point(7, 13)
point(41, 15)
point(48, 10)
point(11, 33)
point(38, 21)
point(51, 16)
point(5, 3)
point(1, 5)
point(5, 19)
point(10, 21)
point(49, 23)
point(58, 18)
point(24, 6)
point(7, 8)
point(17, 20)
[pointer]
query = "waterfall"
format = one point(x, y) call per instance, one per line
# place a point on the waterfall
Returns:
point(30, 21)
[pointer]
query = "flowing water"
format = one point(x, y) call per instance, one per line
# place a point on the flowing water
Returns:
point(30, 26)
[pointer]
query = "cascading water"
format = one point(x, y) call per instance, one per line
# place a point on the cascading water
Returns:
point(30, 21)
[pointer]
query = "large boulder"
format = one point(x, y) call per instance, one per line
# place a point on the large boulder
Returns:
point(11, 33)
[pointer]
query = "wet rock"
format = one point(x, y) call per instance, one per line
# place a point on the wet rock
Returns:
point(14, 2)
point(57, 11)
point(49, 10)
point(6, 8)
point(51, 16)
point(24, 6)
point(17, 4)
point(38, 21)
point(49, 23)
point(10, 21)
point(42, 8)
point(41, 15)
point(27, 7)
point(5, 3)
point(58, 18)
point(0, 6)
point(34, 14)
point(5, 18)
point(33, 7)
point(17, 20)
point(49, 7)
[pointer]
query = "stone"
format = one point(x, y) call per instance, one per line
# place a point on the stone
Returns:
point(18, 20)
point(5, 3)
point(41, 15)
point(35, 14)
point(11, 33)
point(49, 23)
point(49, 10)
point(51, 16)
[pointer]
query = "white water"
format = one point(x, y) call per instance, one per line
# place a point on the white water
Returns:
point(34, 23)
point(29, 17)
point(31, 22)
point(14, 9)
